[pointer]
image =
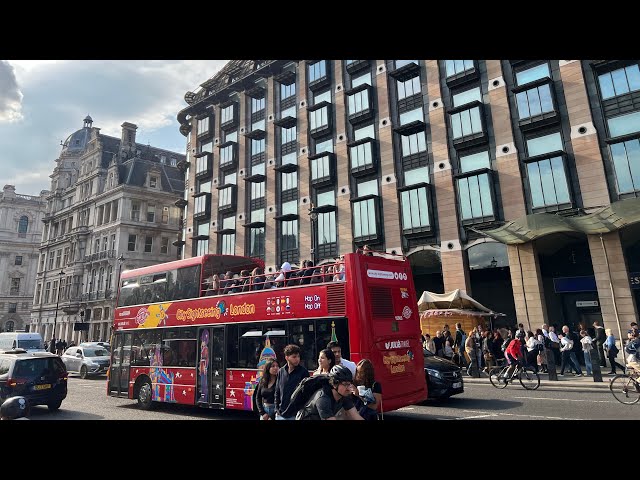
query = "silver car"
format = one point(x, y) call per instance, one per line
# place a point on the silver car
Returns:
point(89, 360)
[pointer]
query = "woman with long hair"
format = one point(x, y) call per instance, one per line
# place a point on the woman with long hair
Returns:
point(266, 390)
point(326, 361)
point(369, 391)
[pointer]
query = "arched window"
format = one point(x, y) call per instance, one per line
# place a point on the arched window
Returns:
point(9, 326)
point(487, 255)
point(23, 224)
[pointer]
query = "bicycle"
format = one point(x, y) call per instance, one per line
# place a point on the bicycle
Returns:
point(626, 388)
point(529, 378)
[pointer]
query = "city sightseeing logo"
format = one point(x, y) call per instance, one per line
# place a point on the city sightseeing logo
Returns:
point(141, 316)
point(406, 312)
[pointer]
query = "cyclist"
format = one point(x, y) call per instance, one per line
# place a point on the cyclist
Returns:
point(633, 349)
point(329, 400)
point(514, 354)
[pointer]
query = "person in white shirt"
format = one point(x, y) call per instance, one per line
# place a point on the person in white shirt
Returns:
point(587, 346)
point(340, 360)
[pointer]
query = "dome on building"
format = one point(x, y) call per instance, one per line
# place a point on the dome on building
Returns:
point(77, 142)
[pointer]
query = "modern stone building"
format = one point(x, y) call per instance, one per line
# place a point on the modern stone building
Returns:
point(20, 234)
point(517, 181)
point(111, 207)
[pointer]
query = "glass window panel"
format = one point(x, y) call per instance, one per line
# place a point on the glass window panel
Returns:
point(537, 198)
point(257, 190)
point(485, 195)
point(456, 125)
point(468, 96)
point(203, 228)
point(411, 116)
point(619, 81)
point(289, 112)
point(560, 180)
point(545, 144)
point(368, 131)
point(546, 179)
point(230, 179)
point(357, 81)
point(633, 156)
point(476, 122)
point(624, 124)
point(257, 215)
point(229, 222)
point(450, 67)
point(259, 125)
point(322, 97)
point(475, 161)
point(523, 105)
point(534, 102)
point(207, 146)
point(326, 198)
point(465, 202)
point(290, 158)
point(416, 175)
point(402, 63)
point(258, 169)
point(368, 188)
point(606, 86)
point(290, 207)
point(546, 103)
point(231, 137)
point(289, 181)
point(465, 119)
point(633, 77)
point(325, 146)
point(532, 74)
point(458, 65)
point(626, 161)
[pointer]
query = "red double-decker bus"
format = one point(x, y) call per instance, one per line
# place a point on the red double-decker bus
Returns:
point(175, 339)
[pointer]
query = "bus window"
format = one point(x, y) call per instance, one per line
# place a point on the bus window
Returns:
point(277, 339)
point(232, 346)
point(250, 346)
point(179, 347)
point(302, 333)
point(187, 282)
point(323, 334)
point(144, 347)
point(129, 293)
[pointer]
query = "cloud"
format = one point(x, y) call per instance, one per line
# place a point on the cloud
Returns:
point(10, 95)
point(56, 96)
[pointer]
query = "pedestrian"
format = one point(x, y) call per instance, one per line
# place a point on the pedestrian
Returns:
point(368, 394)
point(587, 346)
point(265, 391)
point(612, 351)
point(287, 380)
point(601, 339)
point(340, 360)
point(52, 345)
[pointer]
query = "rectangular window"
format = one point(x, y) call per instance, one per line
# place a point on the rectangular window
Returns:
point(548, 182)
point(545, 144)
point(200, 204)
point(226, 114)
point(626, 162)
point(368, 131)
point(402, 63)
point(467, 122)
point(153, 181)
point(320, 167)
point(51, 259)
point(467, 96)
point(318, 119)
point(364, 218)
point(256, 241)
point(228, 240)
point(362, 79)
point(225, 197)
point(324, 146)
point(47, 291)
point(151, 213)
point(257, 146)
point(36, 300)
point(203, 165)
point(258, 125)
point(411, 116)
point(359, 102)
point(532, 74)
point(15, 286)
point(287, 91)
point(131, 244)
point(58, 258)
point(205, 147)
point(13, 307)
point(135, 210)
point(257, 104)
point(202, 247)
point(18, 260)
point(317, 71)
point(361, 155)
point(416, 175)
point(413, 144)
point(624, 124)
point(290, 158)
point(230, 179)
point(453, 67)
point(415, 209)
point(289, 236)
point(288, 135)
point(474, 194)
point(322, 97)
point(43, 259)
point(227, 156)
point(534, 101)
point(290, 208)
point(257, 190)
point(203, 186)
point(203, 126)
point(327, 228)
point(619, 82)
point(476, 161)
point(289, 181)
point(148, 243)
point(409, 88)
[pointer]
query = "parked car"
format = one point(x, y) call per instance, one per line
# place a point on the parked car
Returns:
point(40, 377)
point(444, 378)
point(86, 360)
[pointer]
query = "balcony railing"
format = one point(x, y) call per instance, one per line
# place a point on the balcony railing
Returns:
point(94, 257)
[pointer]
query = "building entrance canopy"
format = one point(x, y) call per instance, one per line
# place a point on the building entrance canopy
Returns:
point(607, 219)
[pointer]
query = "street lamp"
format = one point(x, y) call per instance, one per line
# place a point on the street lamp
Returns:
point(120, 262)
point(55, 318)
point(313, 216)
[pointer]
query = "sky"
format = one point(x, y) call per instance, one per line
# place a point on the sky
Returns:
point(42, 102)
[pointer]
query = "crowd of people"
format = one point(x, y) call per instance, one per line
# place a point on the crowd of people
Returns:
point(571, 350)
point(351, 392)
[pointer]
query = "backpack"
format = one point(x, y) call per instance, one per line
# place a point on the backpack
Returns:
point(304, 392)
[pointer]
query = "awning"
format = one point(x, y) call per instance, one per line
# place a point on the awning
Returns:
point(450, 300)
point(606, 219)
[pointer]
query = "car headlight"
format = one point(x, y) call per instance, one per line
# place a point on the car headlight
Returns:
point(433, 373)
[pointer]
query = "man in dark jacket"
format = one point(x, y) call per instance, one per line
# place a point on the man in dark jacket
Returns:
point(287, 380)
point(601, 339)
point(458, 343)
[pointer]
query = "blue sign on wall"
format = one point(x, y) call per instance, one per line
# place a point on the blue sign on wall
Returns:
point(574, 284)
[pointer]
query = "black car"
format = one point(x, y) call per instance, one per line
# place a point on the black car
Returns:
point(444, 378)
point(40, 377)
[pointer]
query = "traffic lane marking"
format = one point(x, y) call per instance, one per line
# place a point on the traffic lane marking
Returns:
point(566, 400)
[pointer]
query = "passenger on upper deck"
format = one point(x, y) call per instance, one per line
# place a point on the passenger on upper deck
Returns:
point(257, 279)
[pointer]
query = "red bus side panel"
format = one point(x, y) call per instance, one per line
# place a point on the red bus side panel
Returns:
point(171, 385)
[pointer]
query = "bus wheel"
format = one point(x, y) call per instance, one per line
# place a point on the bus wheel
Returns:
point(144, 395)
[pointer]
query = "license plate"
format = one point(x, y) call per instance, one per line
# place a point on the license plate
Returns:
point(457, 385)
point(44, 386)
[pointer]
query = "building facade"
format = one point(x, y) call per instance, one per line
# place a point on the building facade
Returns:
point(20, 234)
point(517, 181)
point(111, 207)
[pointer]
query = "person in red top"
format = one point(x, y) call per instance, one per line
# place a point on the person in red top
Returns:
point(514, 353)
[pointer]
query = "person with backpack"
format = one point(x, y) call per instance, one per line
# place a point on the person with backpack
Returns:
point(331, 397)
point(287, 380)
point(612, 351)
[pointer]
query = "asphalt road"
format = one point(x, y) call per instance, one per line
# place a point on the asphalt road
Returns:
point(87, 400)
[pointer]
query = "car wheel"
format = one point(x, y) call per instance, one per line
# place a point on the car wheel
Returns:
point(144, 395)
point(53, 406)
point(83, 371)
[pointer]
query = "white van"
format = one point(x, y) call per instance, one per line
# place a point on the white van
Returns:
point(31, 342)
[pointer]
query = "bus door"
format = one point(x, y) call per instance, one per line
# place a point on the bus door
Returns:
point(120, 363)
point(210, 385)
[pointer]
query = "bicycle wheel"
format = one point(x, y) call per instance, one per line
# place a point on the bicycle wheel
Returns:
point(625, 389)
point(529, 378)
point(496, 378)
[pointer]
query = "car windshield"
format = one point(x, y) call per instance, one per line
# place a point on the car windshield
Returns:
point(34, 367)
point(29, 344)
point(95, 352)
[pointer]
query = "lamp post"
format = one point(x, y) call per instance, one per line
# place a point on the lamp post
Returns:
point(313, 216)
point(120, 262)
point(55, 318)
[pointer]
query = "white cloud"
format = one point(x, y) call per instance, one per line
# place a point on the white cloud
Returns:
point(49, 99)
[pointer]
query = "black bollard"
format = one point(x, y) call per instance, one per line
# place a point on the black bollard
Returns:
point(595, 365)
point(551, 364)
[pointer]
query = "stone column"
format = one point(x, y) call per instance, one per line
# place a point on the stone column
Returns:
point(526, 281)
point(242, 209)
point(304, 143)
point(270, 187)
point(455, 272)
point(344, 231)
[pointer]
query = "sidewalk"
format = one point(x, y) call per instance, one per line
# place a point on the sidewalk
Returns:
point(568, 380)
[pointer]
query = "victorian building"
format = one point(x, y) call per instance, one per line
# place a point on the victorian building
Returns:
point(517, 181)
point(20, 234)
point(111, 207)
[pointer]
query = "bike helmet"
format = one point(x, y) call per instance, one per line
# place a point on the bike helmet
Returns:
point(340, 373)
point(14, 407)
